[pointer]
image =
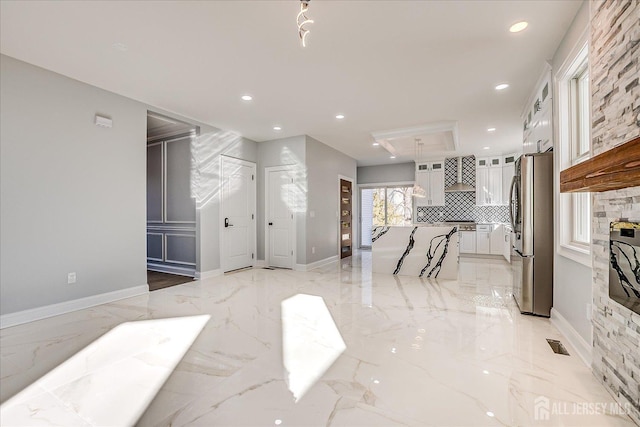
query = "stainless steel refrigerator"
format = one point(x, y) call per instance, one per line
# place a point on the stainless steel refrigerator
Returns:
point(531, 211)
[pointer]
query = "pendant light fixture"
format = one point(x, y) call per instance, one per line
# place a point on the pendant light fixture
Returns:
point(302, 20)
point(418, 191)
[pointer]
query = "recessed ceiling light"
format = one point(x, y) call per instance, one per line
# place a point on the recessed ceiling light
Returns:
point(485, 372)
point(518, 26)
point(485, 148)
point(392, 157)
point(502, 86)
point(375, 144)
point(491, 414)
point(247, 97)
point(340, 116)
point(491, 129)
point(277, 128)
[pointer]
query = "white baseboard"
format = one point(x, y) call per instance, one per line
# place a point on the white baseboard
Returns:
point(161, 268)
point(316, 264)
point(201, 275)
point(25, 316)
point(575, 339)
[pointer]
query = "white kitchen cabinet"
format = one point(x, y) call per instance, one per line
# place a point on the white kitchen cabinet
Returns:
point(430, 176)
point(537, 116)
point(545, 133)
point(483, 238)
point(508, 172)
point(497, 240)
point(506, 245)
point(489, 181)
point(467, 242)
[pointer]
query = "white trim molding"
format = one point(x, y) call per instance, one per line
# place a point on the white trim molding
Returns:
point(163, 268)
point(202, 275)
point(316, 264)
point(30, 315)
point(573, 337)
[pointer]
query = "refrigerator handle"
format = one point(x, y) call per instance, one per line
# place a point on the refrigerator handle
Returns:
point(511, 205)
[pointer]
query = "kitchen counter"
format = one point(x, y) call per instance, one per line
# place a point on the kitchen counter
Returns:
point(417, 250)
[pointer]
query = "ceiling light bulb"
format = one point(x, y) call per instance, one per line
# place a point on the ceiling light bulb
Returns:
point(491, 414)
point(392, 157)
point(340, 116)
point(518, 26)
point(375, 144)
point(491, 129)
point(277, 128)
point(247, 97)
point(485, 148)
point(502, 86)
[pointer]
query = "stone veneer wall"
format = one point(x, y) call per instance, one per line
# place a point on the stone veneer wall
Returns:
point(615, 114)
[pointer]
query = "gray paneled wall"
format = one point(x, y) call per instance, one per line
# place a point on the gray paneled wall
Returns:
point(171, 209)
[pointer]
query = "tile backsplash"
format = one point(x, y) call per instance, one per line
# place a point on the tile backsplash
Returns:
point(461, 206)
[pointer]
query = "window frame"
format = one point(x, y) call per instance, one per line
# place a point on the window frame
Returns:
point(385, 185)
point(569, 86)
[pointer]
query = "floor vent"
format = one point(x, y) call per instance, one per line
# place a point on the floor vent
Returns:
point(557, 347)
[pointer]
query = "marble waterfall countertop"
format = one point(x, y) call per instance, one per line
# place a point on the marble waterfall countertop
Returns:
point(419, 250)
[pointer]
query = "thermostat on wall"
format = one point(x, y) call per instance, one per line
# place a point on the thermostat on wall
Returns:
point(103, 121)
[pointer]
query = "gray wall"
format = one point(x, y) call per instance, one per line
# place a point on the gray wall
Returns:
point(572, 281)
point(324, 164)
point(279, 152)
point(72, 193)
point(400, 172)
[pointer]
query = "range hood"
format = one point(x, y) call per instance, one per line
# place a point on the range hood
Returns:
point(459, 185)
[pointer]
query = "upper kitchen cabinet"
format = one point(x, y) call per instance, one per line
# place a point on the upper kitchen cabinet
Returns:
point(430, 176)
point(489, 181)
point(537, 126)
point(508, 172)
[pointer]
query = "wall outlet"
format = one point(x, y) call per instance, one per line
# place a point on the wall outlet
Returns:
point(71, 278)
point(313, 249)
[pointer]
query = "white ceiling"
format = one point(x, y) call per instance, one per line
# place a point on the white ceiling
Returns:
point(383, 64)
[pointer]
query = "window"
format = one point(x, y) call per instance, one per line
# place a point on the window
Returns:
point(384, 206)
point(574, 146)
point(580, 150)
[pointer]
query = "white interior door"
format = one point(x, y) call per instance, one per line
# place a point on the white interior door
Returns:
point(238, 206)
point(280, 222)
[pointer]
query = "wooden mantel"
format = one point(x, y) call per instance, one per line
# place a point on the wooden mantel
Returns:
point(612, 170)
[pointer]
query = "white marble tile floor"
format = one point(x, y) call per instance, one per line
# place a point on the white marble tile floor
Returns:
point(419, 352)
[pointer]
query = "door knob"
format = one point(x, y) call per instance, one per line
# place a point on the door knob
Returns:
point(270, 223)
point(226, 223)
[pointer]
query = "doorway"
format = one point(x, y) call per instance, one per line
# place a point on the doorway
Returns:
point(171, 210)
point(238, 214)
point(346, 218)
point(280, 222)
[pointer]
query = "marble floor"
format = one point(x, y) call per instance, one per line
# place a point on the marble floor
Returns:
point(402, 351)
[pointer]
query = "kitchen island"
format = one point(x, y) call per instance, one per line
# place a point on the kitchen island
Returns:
point(419, 250)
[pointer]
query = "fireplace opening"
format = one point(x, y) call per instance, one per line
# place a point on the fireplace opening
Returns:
point(624, 264)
